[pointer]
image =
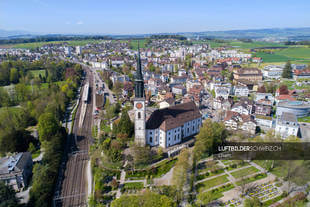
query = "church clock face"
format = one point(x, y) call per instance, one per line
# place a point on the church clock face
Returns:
point(139, 105)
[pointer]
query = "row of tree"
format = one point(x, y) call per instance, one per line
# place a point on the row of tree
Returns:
point(49, 38)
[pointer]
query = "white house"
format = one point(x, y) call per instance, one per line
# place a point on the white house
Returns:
point(287, 125)
point(169, 126)
point(265, 122)
point(223, 92)
point(241, 91)
point(241, 108)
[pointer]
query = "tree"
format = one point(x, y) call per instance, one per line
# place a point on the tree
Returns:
point(145, 199)
point(287, 71)
point(48, 126)
point(7, 196)
point(203, 199)
point(180, 171)
point(5, 99)
point(14, 75)
point(210, 135)
point(141, 155)
point(125, 126)
point(252, 202)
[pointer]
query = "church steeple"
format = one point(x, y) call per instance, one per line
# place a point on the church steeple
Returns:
point(139, 82)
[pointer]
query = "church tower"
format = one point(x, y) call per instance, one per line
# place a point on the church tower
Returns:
point(139, 105)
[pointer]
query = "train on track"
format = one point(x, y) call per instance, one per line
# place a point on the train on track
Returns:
point(85, 93)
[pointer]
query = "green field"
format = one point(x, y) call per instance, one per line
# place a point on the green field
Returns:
point(33, 45)
point(244, 172)
point(134, 44)
point(36, 73)
point(296, 54)
point(239, 44)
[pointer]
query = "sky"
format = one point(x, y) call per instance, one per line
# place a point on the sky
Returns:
point(150, 16)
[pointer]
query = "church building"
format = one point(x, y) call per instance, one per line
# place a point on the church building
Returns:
point(164, 127)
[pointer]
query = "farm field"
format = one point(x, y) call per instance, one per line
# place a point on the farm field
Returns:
point(294, 54)
point(240, 45)
point(33, 45)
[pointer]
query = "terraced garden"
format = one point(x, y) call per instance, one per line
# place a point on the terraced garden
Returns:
point(211, 183)
point(244, 172)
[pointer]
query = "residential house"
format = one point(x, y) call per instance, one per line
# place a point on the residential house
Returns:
point(261, 109)
point(167, 103)
point(179, 90)
point(223, 92)
point(264, 122)
point(241, 91)
point(287, 125)
point(16, 170)
point(249, 74)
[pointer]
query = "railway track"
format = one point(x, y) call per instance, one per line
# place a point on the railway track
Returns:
point(74, 184)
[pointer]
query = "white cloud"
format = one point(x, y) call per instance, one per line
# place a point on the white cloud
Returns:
point(80, 22)
point(68, 22)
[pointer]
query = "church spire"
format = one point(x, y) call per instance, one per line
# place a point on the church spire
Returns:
point(139, 82)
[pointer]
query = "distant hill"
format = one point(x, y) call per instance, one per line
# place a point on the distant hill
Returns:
point(12, 33)
point(293, 34)
point(284, 33)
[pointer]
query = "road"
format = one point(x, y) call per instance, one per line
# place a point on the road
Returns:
point(74, 183)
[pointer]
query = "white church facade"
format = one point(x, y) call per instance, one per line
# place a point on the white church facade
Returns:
point(169, 126)
point(164, 127)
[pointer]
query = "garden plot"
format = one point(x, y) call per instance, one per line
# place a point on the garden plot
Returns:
point(233, 202)
point(244, 172)
point(210, 183)
point(265, 192)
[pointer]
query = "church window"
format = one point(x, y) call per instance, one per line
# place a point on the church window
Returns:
point(193, 128)
point(151, 139)
point(150, 132)
point(175, 137)
point(139, 115)
point(187, 130)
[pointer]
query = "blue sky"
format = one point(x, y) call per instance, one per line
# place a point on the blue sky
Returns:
point(150, 16)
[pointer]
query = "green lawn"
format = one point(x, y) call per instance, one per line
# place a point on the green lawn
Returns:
point(134, 185)
point(304, 119)
point(252, 179)
point(36, 154)
point(209, 174)
point(36, 73)
point(212, 182)
point(217, 192)
point(159, 170)
point(244, 172)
